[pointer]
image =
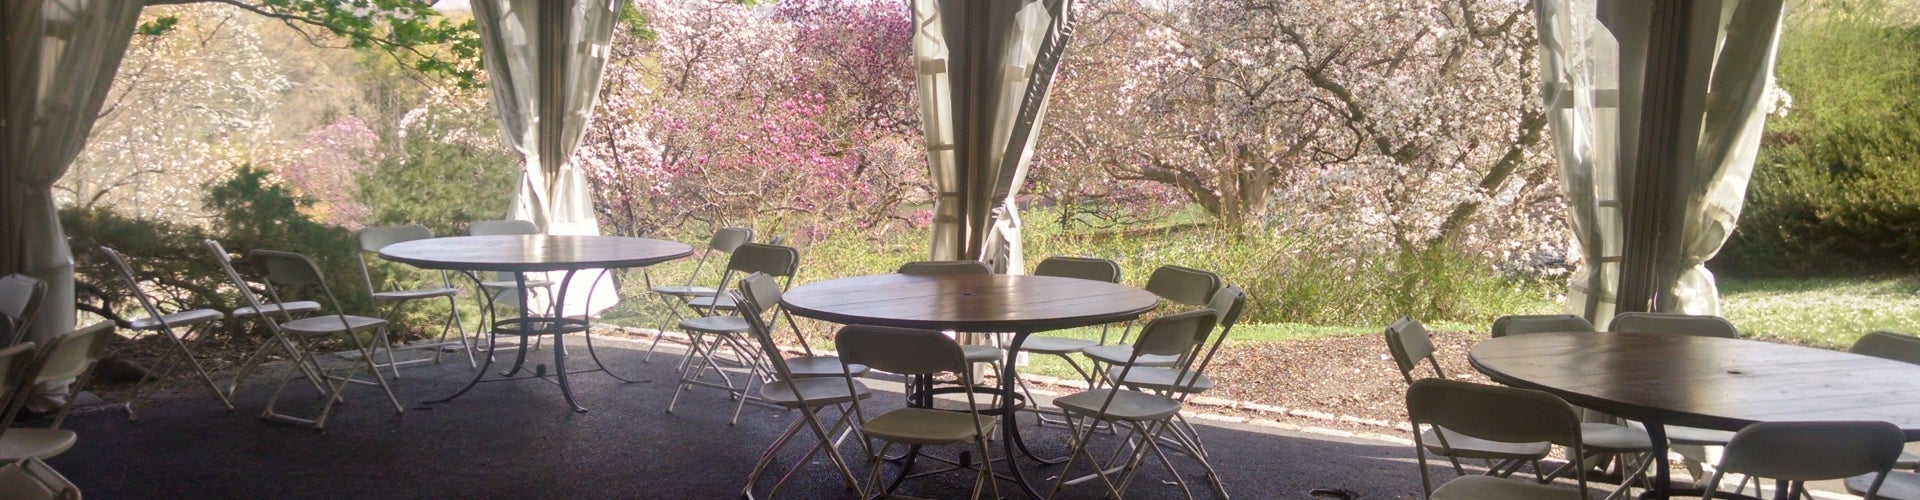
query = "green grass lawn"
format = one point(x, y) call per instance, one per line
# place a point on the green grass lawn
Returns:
point(1821, 312)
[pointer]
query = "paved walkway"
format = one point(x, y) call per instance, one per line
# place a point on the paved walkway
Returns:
point(518, 440)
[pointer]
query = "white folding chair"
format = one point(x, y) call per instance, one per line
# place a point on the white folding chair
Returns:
point(719, 328)
point(373, 239)
point(1491, 414)
point(922, 353)
point(1408, 342)
point(811, 392)
point(195, 321)
point(1086, 268)
point(1147, 416)
point(1227, 304)
point(286, 272)
point(69, 356)
point(1176, 284)
point(673, 297)
point(253, 308)
point(1797, 452)
point(1897, 347)
point(1691, 443)
point(32, 479)
point(1602, 435)
point(19, 301)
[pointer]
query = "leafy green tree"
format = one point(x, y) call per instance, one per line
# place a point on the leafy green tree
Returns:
point(440, 185)
point(411, 31)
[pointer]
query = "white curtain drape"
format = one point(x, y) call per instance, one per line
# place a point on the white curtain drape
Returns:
point(984, 70)
point(1736, 107)
point(1594, 61)
point(61, 60)
point(544, 62)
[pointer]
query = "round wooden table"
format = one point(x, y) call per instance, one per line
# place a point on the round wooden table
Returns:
point(1022, 305)
point(1712, 383)
point(521, 254)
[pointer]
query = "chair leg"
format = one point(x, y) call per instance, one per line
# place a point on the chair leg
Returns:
point(367, 358)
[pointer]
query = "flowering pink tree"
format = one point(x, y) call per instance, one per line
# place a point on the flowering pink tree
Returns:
point(327, 166)
point(797, 115)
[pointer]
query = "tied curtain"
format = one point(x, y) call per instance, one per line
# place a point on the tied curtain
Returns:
point(544, 60)
point(983, 94)
point(1595, 80)
point(61, 60)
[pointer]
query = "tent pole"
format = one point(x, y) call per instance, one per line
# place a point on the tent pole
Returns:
point(1654, 181)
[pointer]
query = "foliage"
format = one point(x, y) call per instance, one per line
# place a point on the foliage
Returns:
point(450, 168)
point(1836, 189)
point(255, 212)
point(167, 256)
point(410, 31)
point(793, 118)
point(325, 167)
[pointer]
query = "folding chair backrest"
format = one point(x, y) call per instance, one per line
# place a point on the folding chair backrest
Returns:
point(1178, 334)
point(1674, 323)
point(1522, 324)
point(1183, 285)
point(1227, 305)
point(1493, 413)
point(285, 268)
point(501, 227)
point(902, 351)
point(373, 239)
point(226, 264)
point(19, 301)
point(1812, 451)
point(775, 260)
point(1888, 345)
point(125, 271)
point(32, 479)
point(759, 293)
point(1407, 340)
point(1086, 268)
point(71, 354)
point(726, 239)
point(935, 267)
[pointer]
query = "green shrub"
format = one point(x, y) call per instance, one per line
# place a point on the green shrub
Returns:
point(1836, 188)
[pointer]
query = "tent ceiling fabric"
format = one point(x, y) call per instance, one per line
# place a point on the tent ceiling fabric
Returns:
point(544, 61)
point(984, 69)
point(1644, 233)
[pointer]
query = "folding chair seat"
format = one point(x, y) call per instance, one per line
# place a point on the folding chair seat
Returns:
point(373, 239)
point(1893, 485)
point(1690, 442)
point(32, 479)
point(1797, 452)
point(286, 272)
point(1408, 342)
point(69, 356)
point(1146, 415)
point(1602, 435)
point(1492, 414)
point(1180, 285)
point(673, 297)
point(715, 330)
point(811, 393)
point(917, 353)
point(254, 307)
point(19, 302)
point(195, 321)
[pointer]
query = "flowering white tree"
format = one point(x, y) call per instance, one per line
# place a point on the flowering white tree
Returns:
point(186, 108)
point(1406, 123)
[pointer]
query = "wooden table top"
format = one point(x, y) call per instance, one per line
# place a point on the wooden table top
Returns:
point(1713, 383)
point(530, 253)
point(969, 303)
